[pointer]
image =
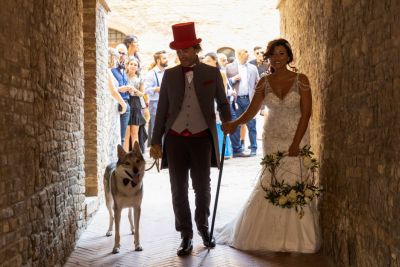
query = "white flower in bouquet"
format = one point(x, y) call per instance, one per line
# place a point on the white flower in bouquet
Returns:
point(309, 193)
point(307, 161)
point(292, 195)
point(282, 200)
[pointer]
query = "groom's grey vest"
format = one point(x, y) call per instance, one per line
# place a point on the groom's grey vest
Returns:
point(190, 116)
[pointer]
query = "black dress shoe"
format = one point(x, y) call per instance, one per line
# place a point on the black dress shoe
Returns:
point(205, 235)
point(185, 247)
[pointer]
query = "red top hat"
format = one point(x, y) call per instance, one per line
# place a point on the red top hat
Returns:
point(184, 36)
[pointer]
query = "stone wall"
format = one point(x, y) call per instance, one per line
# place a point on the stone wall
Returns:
point(108, 127)
point(41, 131)
point(349, 50)
point(101, 111)
point(90, 114)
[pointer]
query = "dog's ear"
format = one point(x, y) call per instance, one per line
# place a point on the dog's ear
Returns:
point(136, 147)
point(121, 152)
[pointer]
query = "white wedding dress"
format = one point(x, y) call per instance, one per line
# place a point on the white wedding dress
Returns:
point(260, 225)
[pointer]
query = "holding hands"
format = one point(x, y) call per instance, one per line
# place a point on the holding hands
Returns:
point(133, 91)
point(229, 127)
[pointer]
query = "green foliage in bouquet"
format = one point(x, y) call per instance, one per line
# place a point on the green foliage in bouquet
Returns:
point(295, 196)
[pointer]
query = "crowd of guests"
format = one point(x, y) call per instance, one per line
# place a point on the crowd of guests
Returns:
point(137, 90)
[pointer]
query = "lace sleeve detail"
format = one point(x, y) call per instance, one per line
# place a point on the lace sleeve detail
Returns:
point(267, 87)
point(303, 83)
point(260, 87)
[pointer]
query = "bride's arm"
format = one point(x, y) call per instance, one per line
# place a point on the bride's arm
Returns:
point(306, 108)
point(251, 111)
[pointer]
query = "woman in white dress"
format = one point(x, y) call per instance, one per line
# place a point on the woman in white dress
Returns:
point(260, 225)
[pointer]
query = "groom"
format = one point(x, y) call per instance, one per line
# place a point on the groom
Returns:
point(185, 122)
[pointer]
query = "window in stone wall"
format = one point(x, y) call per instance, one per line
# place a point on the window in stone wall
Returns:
point(115, 37)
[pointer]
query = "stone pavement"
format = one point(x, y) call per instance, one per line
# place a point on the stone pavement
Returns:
point(159, 238)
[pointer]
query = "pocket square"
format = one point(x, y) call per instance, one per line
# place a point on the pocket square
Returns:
point(208, 82)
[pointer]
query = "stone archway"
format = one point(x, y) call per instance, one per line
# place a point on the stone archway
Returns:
point(349, 49)
point(99, 145)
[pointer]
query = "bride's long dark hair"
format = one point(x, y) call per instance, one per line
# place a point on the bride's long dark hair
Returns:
point(270, 50)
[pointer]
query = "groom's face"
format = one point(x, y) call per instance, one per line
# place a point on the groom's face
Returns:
point(187, 56)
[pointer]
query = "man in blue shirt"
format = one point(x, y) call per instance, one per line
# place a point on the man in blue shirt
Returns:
point(152, 85)
point(243, 78)
point(120, 75)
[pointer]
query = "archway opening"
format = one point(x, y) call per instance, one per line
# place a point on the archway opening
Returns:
point(218, 26)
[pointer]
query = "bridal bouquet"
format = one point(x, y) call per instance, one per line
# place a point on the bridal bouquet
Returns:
point(302, 192)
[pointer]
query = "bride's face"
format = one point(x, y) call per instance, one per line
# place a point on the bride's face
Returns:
point(279, 57)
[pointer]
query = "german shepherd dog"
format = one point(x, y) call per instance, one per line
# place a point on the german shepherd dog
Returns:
point(123, 187)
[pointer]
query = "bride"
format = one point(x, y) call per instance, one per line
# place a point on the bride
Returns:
point(260, 225)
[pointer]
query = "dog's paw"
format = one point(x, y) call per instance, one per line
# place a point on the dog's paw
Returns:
point(138, 248)
point(109, 233)
point(115, 250)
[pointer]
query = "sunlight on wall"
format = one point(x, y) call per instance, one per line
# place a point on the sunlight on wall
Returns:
point(232, 23)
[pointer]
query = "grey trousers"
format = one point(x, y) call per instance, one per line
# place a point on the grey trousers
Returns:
point(184, 155)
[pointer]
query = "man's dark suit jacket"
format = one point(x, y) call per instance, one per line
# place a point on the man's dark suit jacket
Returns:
point(209, 89)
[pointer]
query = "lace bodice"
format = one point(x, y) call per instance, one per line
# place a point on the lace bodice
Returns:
point(282, 118)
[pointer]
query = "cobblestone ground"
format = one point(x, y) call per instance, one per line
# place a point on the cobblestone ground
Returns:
point(159, 238)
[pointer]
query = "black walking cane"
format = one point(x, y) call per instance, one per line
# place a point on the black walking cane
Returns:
point(218, 186)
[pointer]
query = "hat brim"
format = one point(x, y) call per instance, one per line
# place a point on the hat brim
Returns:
point(186, 44)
